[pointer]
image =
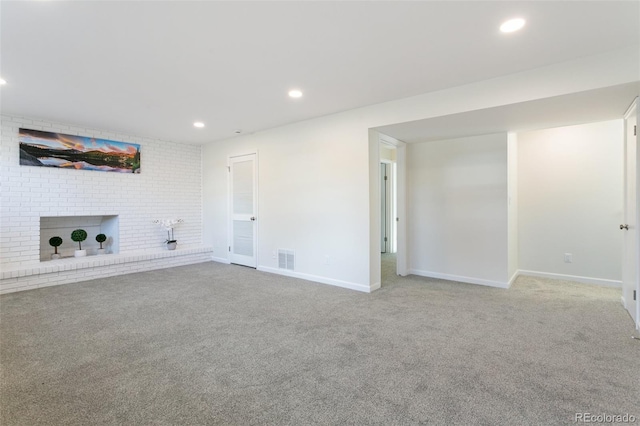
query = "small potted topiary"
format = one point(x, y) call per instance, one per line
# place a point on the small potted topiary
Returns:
point(79, 235)
point(101, 238)
point(55, 242)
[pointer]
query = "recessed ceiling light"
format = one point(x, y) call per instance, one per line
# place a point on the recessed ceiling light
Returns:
point(295, 93)
point(237, 131)
point(198, 124)
point(512, 25)
point(2, 82)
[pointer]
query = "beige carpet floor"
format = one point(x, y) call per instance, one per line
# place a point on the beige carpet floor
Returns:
point(214, 344)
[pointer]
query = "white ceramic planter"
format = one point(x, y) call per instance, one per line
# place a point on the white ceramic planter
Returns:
point(100, 252)
point(55, 256)
point(172, 246)
point(80, 253)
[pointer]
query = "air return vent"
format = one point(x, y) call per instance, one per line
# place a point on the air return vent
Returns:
point(286, 259)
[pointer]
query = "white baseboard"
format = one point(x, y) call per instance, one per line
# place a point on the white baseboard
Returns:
point(319, 279)
point(375, 286)
point(450, 277)
point(220, 260)
point(513, 278)
point(624, 303)
point(586, 280)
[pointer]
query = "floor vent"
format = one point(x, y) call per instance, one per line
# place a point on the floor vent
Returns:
point(286, 259)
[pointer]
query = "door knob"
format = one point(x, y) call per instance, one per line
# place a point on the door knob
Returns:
point(624, 227)
point(254, 218)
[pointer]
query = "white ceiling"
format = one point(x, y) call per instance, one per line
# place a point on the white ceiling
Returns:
point(152, 68)
point(577, 108)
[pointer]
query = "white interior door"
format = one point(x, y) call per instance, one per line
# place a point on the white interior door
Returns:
point(242, 204)
point(629, 227)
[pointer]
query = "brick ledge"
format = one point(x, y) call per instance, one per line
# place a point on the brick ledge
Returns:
point(74, 263)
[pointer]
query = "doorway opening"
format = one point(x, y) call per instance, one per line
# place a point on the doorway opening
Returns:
point(388, 232)
point(388, 211)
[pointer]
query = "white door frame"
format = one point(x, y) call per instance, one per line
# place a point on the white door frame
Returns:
point(230, 205)
point(401, 209)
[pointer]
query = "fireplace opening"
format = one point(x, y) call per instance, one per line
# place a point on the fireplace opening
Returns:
point(63, 226)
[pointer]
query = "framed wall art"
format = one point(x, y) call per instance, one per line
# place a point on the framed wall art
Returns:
point(47, 149)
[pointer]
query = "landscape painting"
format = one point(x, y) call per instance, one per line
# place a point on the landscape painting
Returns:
point(48, 149)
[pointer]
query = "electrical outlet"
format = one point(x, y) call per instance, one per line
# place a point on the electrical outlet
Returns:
point(568, 258)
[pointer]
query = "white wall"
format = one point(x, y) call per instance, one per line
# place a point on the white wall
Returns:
point(317, 188)
point(319, 178)
point(387, 153)
point(570, 201)
point(512, 189)
point(312, 198)
point(457, 209)
point(170, 185)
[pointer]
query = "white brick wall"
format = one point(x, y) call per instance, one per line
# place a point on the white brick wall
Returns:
point(169, 186)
